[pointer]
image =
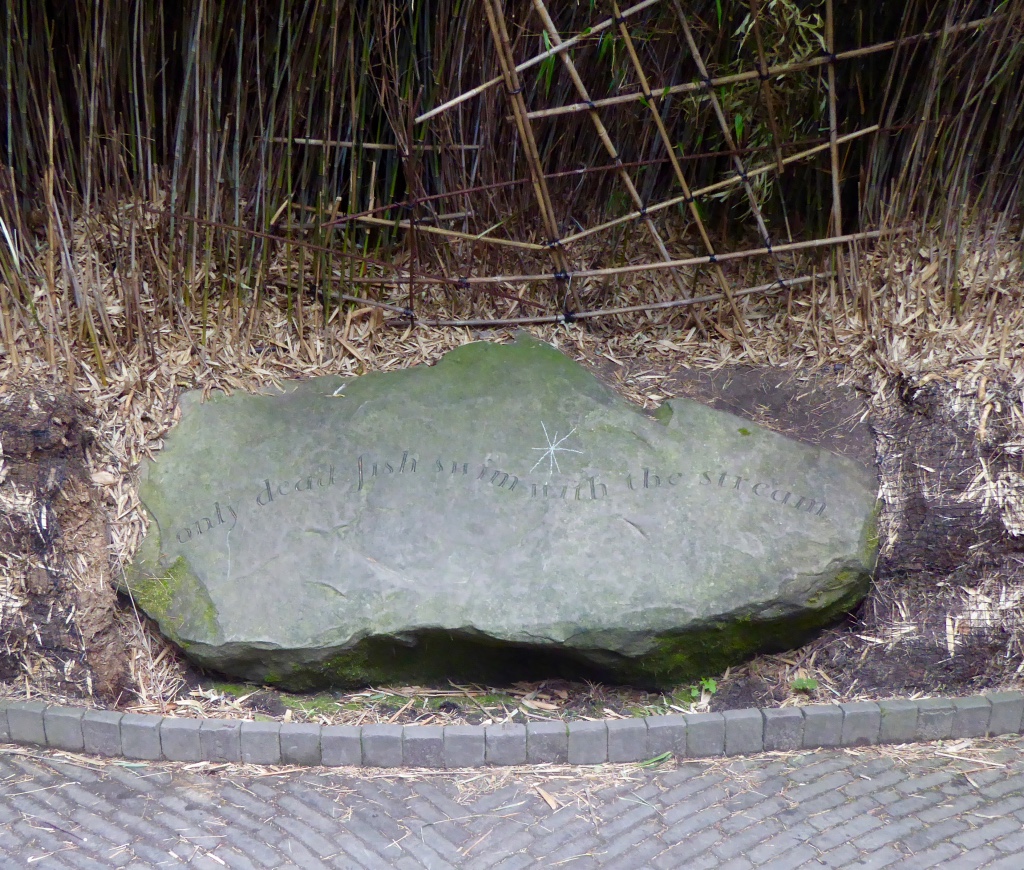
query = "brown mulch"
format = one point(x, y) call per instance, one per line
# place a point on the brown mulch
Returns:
point(933, 401)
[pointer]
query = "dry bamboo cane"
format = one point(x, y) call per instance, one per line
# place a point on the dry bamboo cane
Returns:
point(631, 216)
point(766, 289)
point(712, 188)
point(766, 90)
point(730, 143)
point(533, 61)
point(676, 168)
point(837, 212)
point(778, 69)
point(496, 21)
point(6, 330)
point(367, 146)
point(837, 209)
point(613, 153)
point(658, 265)
point(451, 234)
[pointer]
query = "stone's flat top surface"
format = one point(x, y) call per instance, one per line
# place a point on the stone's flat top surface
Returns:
point(503, 493)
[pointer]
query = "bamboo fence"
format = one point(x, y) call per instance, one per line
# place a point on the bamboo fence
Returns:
point(563, 248)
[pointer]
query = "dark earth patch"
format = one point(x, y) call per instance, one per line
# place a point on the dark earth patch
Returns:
point(898, 642)
point(53, 549)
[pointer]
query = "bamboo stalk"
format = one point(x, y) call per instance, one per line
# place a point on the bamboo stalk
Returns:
point(778, 69)
point(673, 264)
point(451, 234)
point(769, 289)
point(726, 131)
point(336, 220)
point(716, 186)
point(496, 21)
point(369, 261)
point(533, 61)
point(837, 211)
point(609, 146)
point(368, 146)
point(676, 168)
point(766, 90)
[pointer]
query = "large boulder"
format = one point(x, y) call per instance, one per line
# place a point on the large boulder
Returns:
point(500, 514)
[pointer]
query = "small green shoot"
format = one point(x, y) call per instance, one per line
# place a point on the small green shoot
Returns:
point(804, 684)
point(706, 686)
point(657, 761)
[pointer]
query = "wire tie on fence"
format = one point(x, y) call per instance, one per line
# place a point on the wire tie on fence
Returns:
point(689, 199)
point(566, 317)
point(514, 92)
point(706, 82)
point(762, 74)
point(463, 283)
point(712, 259)
point(409, 315)
point(553, 243)
point(641, 212)
point(591, 105)
point(831, 55)
point(620, 20)
point(561, 276)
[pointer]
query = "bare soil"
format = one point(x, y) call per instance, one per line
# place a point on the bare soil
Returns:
point(60, 623)
point(942, 617)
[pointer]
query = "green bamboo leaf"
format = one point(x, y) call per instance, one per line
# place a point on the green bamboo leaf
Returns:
point(656, 761)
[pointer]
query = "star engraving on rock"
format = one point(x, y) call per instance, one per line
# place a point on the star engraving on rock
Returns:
point(553, 448)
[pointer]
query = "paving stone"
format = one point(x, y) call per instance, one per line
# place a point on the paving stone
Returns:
point(300, 743)
point(221, 740)
point(588, 742)
point(505, 743)
point(1007, 712)
point(5, 731)
point(423, 746)
point(705, 734)
point(666, 734)
point(140, 736)
point(823, 726)
point(826, 808)
point(898, 721)
point(934, 719)
point(783, 729)
point(627, 740)
point(744, 732)
point(971, 716)
point(101, 732)
point(861, 723)
point(179, 739)
point(382, 745)
point(25, 722)
point(341, 745)
point(464, 746)
point(260, 742)
point(63, 727)
point(547, 743)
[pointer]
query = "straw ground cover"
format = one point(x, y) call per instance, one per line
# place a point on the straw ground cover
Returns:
point(952, 625)
point(223, 195)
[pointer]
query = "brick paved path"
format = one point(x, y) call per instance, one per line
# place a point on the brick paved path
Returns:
point(869, 808)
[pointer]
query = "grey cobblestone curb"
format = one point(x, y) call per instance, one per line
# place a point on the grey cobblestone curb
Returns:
point(688, 735)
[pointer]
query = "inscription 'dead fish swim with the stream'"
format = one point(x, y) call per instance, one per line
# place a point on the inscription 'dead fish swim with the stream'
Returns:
point(440, 521)
point(368, 468)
